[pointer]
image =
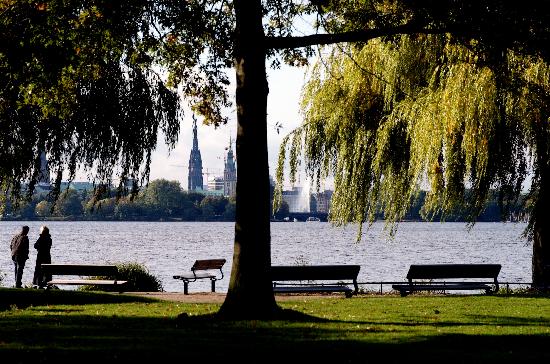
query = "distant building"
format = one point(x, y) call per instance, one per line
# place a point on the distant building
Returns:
point(230, 174)
point(323, 201)
point(79, 186)
point(216, 184)
point(44, 181)
point(195, 163)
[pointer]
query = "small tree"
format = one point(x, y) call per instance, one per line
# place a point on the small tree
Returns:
point(43, 209)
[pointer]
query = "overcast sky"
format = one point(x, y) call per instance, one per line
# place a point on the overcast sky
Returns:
point(285, 86)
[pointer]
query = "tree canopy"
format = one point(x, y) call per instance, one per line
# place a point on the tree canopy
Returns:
point(84, 82)
point(456, 114)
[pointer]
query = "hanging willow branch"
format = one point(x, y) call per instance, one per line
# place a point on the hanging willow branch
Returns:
point(429, 114)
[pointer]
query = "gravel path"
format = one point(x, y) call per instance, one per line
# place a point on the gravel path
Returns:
point(209, 297)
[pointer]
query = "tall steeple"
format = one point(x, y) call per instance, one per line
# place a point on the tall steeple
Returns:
point(230, 173)
point(194, 178)
point(44, 174)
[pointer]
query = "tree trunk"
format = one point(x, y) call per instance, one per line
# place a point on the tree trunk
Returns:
point(541, 228)
point(250, 293)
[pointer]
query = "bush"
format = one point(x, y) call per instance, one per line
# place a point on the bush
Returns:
point(138, 277)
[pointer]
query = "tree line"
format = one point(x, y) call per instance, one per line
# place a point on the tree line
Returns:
point(163, 200)
point(160, 200)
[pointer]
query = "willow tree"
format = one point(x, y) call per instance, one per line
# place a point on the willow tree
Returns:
point(93, 82)
point(455, 117)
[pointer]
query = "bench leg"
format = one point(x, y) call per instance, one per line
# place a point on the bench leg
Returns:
point(185, 287)
point(213, 285)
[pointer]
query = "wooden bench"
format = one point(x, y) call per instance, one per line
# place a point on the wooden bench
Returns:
point(282, 274)
point(450, 271)
point(92, 270)
point(203, 269)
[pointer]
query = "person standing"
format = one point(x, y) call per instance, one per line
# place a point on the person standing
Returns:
point(20, 253)
point(42, 246)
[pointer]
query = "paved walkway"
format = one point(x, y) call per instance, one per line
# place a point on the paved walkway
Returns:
point(209, 297)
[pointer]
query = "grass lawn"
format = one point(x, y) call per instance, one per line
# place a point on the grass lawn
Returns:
point(63, 326)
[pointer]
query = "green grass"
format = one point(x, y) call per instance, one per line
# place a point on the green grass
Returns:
point(63, 326)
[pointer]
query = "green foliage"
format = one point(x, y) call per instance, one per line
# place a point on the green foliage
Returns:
point(68, 204)
point(138, 277)
point(77, 83)
point(393, 117)
point(282, 211)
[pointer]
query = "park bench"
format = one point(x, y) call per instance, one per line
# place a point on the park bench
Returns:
point(438, 272)
point(319, 278)
point(203, 269)
point(80, 270)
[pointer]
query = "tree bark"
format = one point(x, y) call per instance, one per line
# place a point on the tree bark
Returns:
point(250, 293)
point(541, 228)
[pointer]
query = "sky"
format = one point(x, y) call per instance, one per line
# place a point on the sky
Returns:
point(285, 85)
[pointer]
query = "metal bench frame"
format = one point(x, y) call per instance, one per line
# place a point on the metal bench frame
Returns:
point(452, 271)
point(202, 269)
point(282, 274)
point(94, 270)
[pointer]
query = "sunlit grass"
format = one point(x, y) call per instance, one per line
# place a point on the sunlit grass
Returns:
point(61, 325)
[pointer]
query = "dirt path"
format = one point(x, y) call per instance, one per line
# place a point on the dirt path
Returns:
point(209, 297)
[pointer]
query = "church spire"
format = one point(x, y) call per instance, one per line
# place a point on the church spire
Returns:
point(195, 139)
point(230, 172)
point(194, 179)
point(44, 174)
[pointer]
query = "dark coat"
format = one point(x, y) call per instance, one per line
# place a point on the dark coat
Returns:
point(20, 247)
point(43, 246)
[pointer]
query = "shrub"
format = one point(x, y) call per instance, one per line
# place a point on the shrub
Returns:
point(138, 277)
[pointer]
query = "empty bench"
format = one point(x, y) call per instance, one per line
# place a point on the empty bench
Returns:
point(418, 273)
point(336, 278)
point(80, 270)
point(203, 269)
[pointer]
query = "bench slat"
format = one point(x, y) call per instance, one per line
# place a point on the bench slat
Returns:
point(196, 276)
point(440, 287)
point(93, 282)
point(201, 269)
point(80, 269)
point(314, 272)
point(439, 271)
point(97, 270)
point(282, 273)
point(305, 289)
point(449, 271)
point(207, 264)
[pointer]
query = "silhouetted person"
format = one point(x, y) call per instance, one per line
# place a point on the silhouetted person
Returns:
point(20, 253)
point(42, 246)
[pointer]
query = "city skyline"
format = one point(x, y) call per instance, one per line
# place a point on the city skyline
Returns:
point(283, 108)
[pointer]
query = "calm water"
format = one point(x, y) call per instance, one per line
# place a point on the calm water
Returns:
point(167, 248)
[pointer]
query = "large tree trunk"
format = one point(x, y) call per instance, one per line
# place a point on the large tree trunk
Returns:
point(250, 294)
point(541, 227)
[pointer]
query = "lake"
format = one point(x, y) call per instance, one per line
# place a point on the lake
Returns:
point(169, 248)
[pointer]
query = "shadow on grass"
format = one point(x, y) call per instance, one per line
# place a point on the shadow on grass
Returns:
point(21, 298)
point(58, 337)
point(61, 338)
